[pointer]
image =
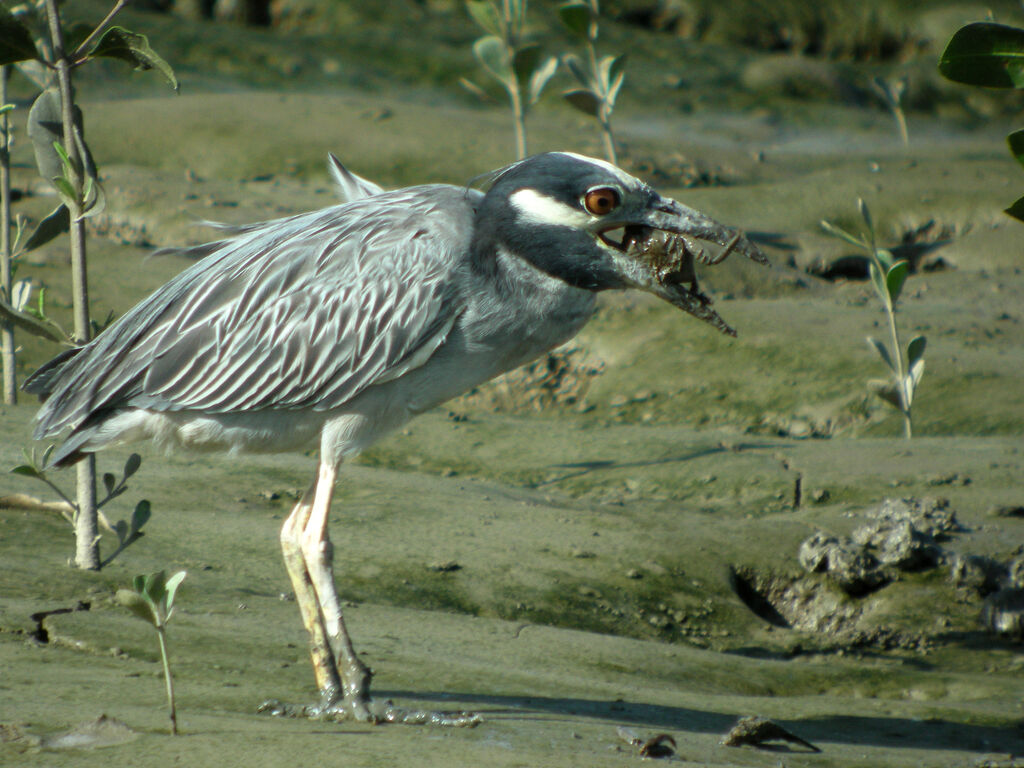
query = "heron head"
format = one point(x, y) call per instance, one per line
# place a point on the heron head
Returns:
point(593, 225)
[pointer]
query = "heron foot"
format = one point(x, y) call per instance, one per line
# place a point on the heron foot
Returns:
point(386, 712)
point(375, 712)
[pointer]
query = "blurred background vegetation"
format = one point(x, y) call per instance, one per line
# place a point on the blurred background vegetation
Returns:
point(684, 54)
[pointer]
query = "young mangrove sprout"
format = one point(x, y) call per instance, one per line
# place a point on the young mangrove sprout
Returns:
point(126, 532)
point(151, 598)
point(600, 78)
point(891, 93)
point(517, 65)
point(888, 276)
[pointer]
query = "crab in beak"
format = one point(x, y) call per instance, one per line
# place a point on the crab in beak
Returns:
point(658, 251)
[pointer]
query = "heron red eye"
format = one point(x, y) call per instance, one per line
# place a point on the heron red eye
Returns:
point(601, 201)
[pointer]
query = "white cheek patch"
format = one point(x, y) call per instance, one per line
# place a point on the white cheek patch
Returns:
point(535, 208)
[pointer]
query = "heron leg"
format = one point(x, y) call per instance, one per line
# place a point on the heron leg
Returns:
point(309, 556)
point(327, 678)
point(318, 554)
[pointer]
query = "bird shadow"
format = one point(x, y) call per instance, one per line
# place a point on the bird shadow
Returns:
point(856, 730)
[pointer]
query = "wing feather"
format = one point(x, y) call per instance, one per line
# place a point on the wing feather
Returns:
point(305, 312)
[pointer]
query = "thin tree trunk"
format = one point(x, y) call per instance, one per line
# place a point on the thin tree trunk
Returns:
point(7, 329)
point(87, 552)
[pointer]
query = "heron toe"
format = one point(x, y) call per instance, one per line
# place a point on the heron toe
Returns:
point(363, 711)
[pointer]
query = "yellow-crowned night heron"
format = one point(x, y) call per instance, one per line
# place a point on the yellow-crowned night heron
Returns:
point(340, 325)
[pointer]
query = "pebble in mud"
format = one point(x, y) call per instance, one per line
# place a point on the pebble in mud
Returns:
point(1003, 613)
point(977, 573)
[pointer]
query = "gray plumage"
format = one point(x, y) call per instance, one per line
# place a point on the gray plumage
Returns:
point(302, 313)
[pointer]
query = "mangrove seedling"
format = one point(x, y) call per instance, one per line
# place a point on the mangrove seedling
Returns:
point(33, 37)
point(518, 66)
point(888, 276)
point(151, 598)
point(891, 93)
point(127, 532)
point(600, 79)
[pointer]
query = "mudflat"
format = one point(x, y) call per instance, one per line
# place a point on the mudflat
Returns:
point(611, 539)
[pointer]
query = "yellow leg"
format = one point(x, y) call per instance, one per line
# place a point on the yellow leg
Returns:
point(308, 555)
point(318, 554)
point(327, 678)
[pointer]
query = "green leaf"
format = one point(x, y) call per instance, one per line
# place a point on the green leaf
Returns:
point(95, 197)
point(137, 604)
point(865, 213)
point(475, 89)
point(29, 321)
point(491, 54)
point(885, 257)
point(524, 63)
point(842, 234)
point(15, 39)
point(878, 280)
point(132, 465)
point(576, 17)
point(122, 531)
point(54, 225)
point(66, 191)
point(915, 350)
point(894, 279)
point(62, 153)
point(109, 481)
point(46, 129)
point(485, 14)
point(27, 471)
point(139, 584)
point(172, 587)
point(541, 76)
point(985, 54)
point(140, 516)
point(614, 73)
point(21, 291)
point(579, 70)
point(156, 587)
point(883, 352)
point(887, 391)
point(584, 101)
point(912, 379)
point(1017, 209)
point(123, 44)
point(1016, 142)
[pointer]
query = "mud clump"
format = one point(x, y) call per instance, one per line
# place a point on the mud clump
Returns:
point(899, 537)
point(902, 535)
point(855, 571)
